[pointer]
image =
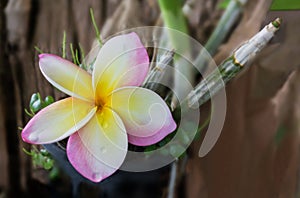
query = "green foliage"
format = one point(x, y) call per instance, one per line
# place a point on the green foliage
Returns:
point(75, 56)
point(40, 158)
point(82, 55)
point(276, 4)
point(172, 14)
point(285, 5)
point(223, 4)
point(280, 134)
point(38, 49)
point(95, 26)
point(64, 45)
point(36, 103)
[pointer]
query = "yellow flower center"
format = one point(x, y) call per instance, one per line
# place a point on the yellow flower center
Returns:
point(99, 103)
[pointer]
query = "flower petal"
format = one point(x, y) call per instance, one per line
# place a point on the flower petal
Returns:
point(122, 61)
point(100, 147)
point(143, 112)
point(58, 121)
point(67, 77)
point(146, 141)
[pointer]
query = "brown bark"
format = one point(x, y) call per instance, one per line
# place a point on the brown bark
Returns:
point(29, 23)
point(3, 59)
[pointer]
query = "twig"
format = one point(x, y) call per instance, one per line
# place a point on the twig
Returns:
point(174, 18)
point(233, 65)
point(172, 180)
point(228, 19)
point(158, 71)
point(64, 45)
point(95, 27)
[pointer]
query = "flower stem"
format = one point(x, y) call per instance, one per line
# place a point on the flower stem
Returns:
point(64, 45)
point(228, 19)
point(174, 18)
point(237, 62)
point(172, 180)
point(158, 71)
point(96, 27)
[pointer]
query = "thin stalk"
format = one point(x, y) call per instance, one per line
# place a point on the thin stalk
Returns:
point(158, 71)
point(96, 27)
point(172, 180)
point(225, 24)
point(82, 55)
point(237, 62)
point(174, 18)
point(64, 45)
point(38, 49)
point(74, 55)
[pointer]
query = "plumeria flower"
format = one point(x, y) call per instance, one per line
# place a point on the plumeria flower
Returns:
point(105, 110)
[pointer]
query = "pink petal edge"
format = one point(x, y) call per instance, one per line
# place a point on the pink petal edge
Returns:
point(42, 126)
point(96, 151)
point(161, 134)
point(76, 149)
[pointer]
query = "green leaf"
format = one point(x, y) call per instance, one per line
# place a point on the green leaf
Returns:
point(276, 4)
point(280, 134)
point(38, 49)
point(27, 152)
point(74, 55)
point(48, 100)
point(36, 106)
point(48, 163)
point(150, 148)
point(35, 103)
point(34, 97)
point(44, 152)
point(64, 45)
point(28, 113)
point(285, 5)
point(82, 56)
point(95, 27)
point(54, 173)
point(223, 4)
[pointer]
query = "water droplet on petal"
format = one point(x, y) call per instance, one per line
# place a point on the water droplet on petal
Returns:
point(103, 149)
point(97, 177)
point(100, 119)
point(33, 137)
point(104, 125)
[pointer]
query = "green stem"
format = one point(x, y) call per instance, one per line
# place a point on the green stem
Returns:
point(64, 45)
point(174, 18)
point(237, 62)
point(95, 27)
point(228, 19)
point(38, 49)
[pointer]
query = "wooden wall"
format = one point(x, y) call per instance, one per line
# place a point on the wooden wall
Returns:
point(248, 161)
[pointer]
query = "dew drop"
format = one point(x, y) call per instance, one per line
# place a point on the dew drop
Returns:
point(103, 149)
point(33, 137)
point(104, 125)
point(97, 176)
point(100, 119)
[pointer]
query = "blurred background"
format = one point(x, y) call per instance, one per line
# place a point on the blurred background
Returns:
point(257, 154)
